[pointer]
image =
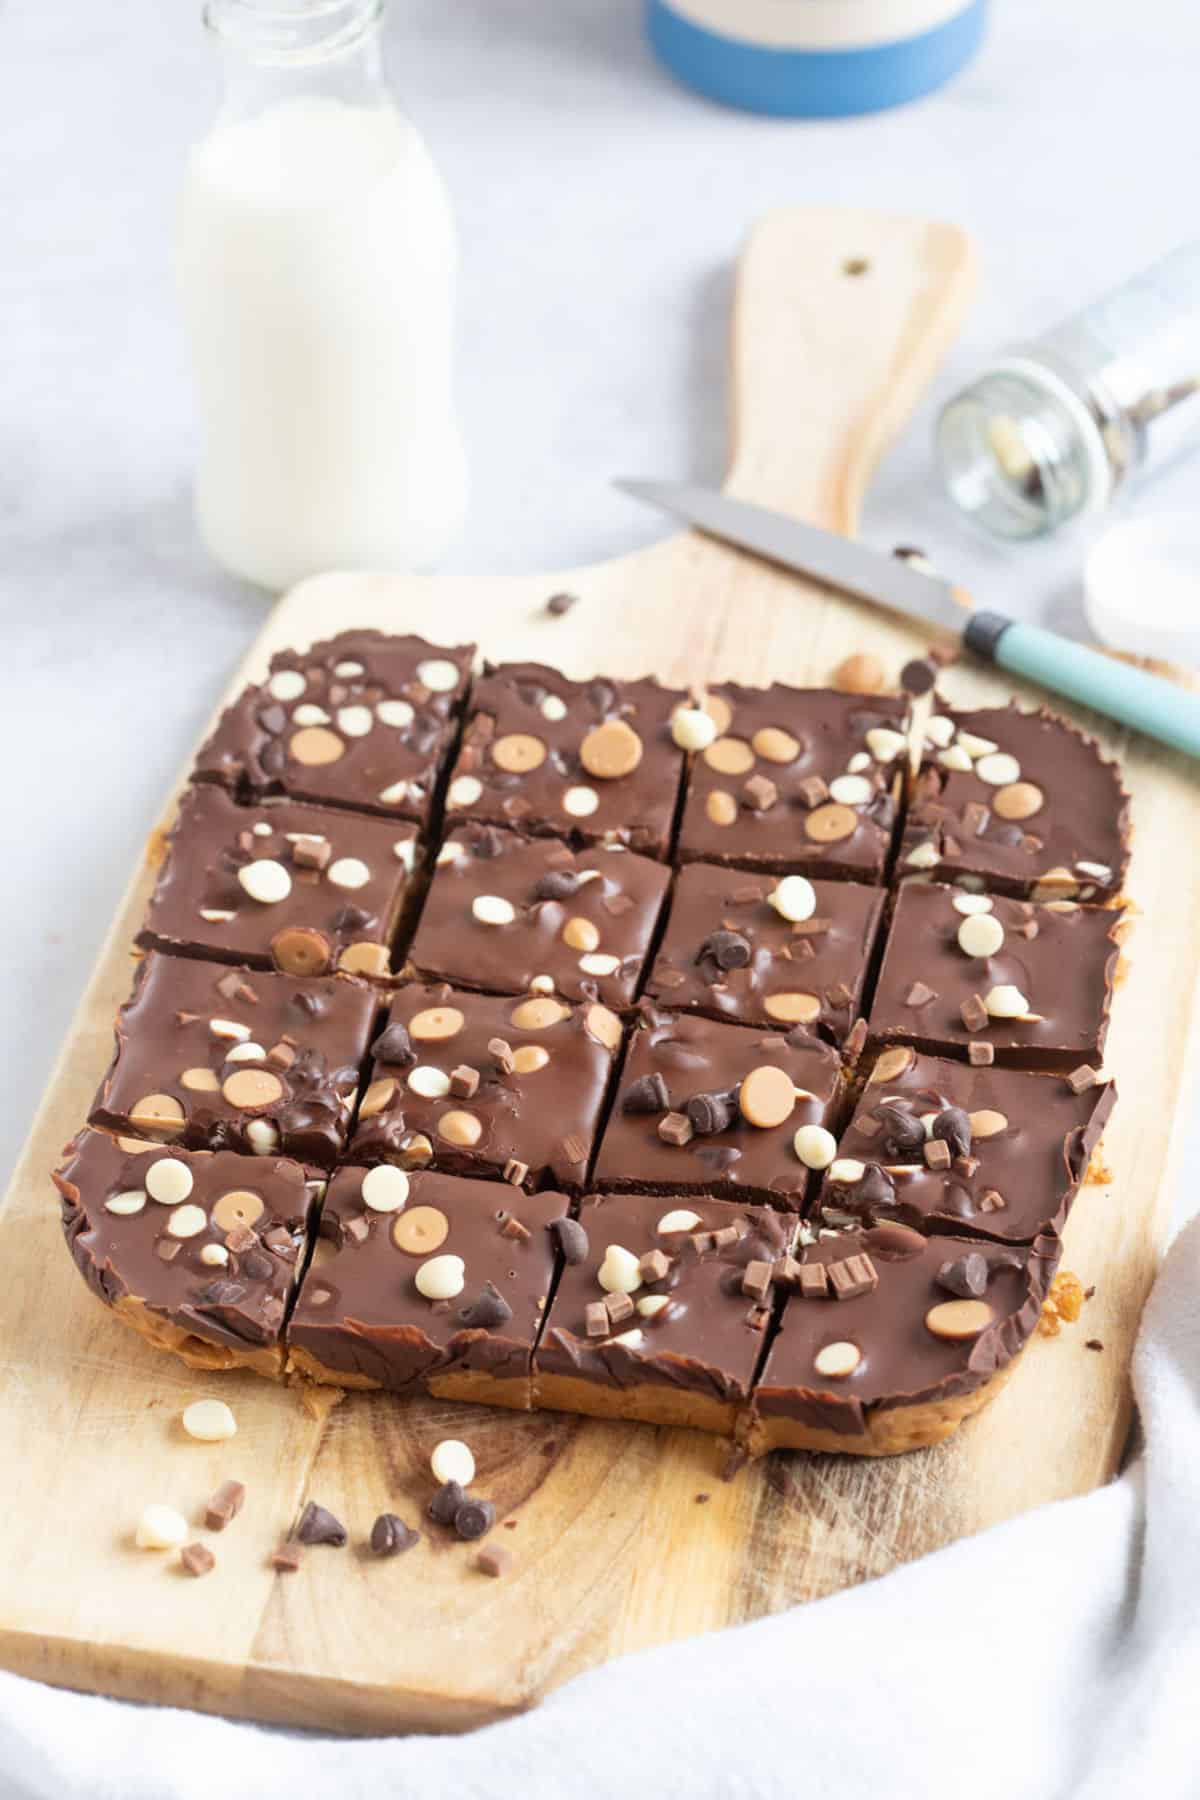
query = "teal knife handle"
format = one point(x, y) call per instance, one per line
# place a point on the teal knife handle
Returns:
point(1147, 702)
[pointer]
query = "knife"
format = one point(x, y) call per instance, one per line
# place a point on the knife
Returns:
point(1150, 704)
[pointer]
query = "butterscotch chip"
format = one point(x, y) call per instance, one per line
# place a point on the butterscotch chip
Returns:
point(718, 710)
point(316, 745)
point(1019, 800)
point(730, 756)
point(956, 1320)
point(603, 1025)
point(861, 673)
point(461, 1128)
point(435, 1023)
point(722, 808)
point(365, 959)
point(529, 1058)
point(299, 950)
point(775, 746)
point(793, 1009)
point(831, 823)
point(199, 1081)
point(611, 750)
point(378, 1096)
point(251, 1088)
point(238, 1209)
point(987, 1123)
point(518, 753)
point(892, 1063)
point(581, 934)
point(135, 1146)
point(158, 1110)
point(420, 1230)
point(537, 1015)
point(767, 1096)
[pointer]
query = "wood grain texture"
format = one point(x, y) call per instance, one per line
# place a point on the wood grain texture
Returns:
point(613, 1549)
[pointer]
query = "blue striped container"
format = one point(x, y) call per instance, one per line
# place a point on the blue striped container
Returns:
point(816, 59)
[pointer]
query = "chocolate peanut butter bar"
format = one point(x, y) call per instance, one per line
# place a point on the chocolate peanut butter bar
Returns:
point(471, 1084)
point(797, 778)
point(508, 914)
point(592, 761)
point(426, 1281)
point(707, 1108)
point(947, 1147)
point(1032, 983)
point(196, 1250)
point(889, 1339)
point(1022, 801)
point(661, 1310)
point(362, 720)
point(304, 889)
point(767, 951)
point(216, 1058)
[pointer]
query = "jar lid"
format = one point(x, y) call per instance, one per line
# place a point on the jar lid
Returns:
point(1141, 585)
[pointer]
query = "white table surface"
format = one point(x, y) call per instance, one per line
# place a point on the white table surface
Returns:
point(601, 207)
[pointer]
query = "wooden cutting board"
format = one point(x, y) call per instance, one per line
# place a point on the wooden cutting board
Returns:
point(623, 1536)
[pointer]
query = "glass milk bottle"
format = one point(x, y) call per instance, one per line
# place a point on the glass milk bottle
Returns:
point(316, 263)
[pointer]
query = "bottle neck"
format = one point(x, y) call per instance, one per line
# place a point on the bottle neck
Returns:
point(276, 50)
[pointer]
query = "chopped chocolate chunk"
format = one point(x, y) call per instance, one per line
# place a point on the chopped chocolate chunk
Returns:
point(619, 1307)
point(512, 1227)
point(814, 1281)
point(390, 1536)
point(596, 1319)
point(515, 1171)
point(974, 1013)
point(287, 1559)
point(760, 793)
point(494, 1561)
point(812, 792)
point(1082, 1078)
point(501, 1053)
point(558, 604)
point(464, 1082)
point(676, 1129)
point(756, 1280)
point(919, 994)
point(981, 1055)
point(197, 1559)
point(317, 1525)
point(853, 1276)
point(937, 1154)
point(224, 1505)
point(474, 1518)
point(570, 1238)
point(654, 1265)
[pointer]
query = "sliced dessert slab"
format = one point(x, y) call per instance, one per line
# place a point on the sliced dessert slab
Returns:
point(593, 761)
point(215, 1058)
point(660, 1310)
point(508, 914)
point(426, 1281)
point(952, 1147)
point(362, 720)
point(1031, 983)
point(280, 885)
point(1021, 802)
point(796, 778)
point(892, 1338)
point(198, 1251)
point(472, 1084)
point(767, 951)
point(708, 1108)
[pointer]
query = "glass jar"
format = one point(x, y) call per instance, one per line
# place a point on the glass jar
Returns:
point(1059, 427)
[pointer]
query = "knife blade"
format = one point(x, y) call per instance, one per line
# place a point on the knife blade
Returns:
point(1150, 704)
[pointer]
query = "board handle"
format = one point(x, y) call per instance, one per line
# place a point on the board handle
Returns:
point(839, 320)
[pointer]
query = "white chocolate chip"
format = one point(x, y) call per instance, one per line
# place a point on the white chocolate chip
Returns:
point(349, 670)
point(438, 675)
point(1005, 1002)
point(884, 744)
point(939, 730)
point(858, 762)
point(161, 1528)
point(492, 909)
point(169, 1181)
point(266, 881)
point(125, 1204)
point(1100, 870)
point(923, 856)
point(815, 1146)
point(215, 1255)
point(976, 747)
point(441, 1278)
point(396, 713)
point(998, 770)
point(972, 903)
point(794, 898)
point(247, 1052)
point(837, 1360)
point(693, 729)
point(850, 790)
point(542, 984)
point(355, 721)
point(580, 802)
point(348, 872)
point(187, 1221)
point(632, 1339)
point(451, 853)
point(209, 1421)
point(405, 851)
point(262, 1137)
point(428, 1082)
point(452, 1461)
point(981, 934)
point(682, 1219)
point(553, 708)
point(599, 962)
point(928, 1120)
point(260, 828)
point(288, 684)
point(845, 1168)
point(619, 1273)
point(229, 1028)
point(464, 790)
point(213, 915)
point(650, 1305)
point(385, 1188)
point(393, 794)
point(955, 758)
point(308, 714)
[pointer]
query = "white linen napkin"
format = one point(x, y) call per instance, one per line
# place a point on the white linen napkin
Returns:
point(1056, 1655)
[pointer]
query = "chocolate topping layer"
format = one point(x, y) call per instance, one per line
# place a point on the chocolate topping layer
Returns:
point(901, 1359)
point(593, 761)
point(1059, 960)
point(361, 720)
point(191, 1028)
point(1028, 1142)
point(361, 1312)
point(216, 1254)
point(693, 1071)
point(1024, 800)
point(472, 1083)
point(331, 897)
point(834, 762)
point(584, 919)
point(730, 953)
